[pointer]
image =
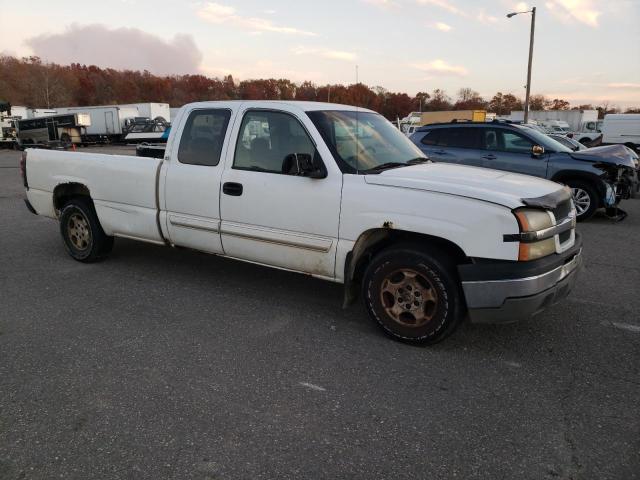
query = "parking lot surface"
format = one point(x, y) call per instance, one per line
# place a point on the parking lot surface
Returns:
point(168, 363)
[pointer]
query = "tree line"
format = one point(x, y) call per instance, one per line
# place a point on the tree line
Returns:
point(33, 83)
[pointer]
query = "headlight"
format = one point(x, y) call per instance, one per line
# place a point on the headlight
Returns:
point(530, 221)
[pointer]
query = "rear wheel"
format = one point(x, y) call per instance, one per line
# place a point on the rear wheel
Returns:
point(585, 198)
point(65, 140)
point(414, 296)
point(82, 233)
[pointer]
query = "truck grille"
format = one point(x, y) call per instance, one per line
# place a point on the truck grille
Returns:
point(562, 210)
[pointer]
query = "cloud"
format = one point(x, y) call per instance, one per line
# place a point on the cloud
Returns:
point(224, 14)
point(442, 68)
point(521, 7)
point(627, 86)
point(325, 53)
point(582, 11)
point(445, 5)
point(121, 48)
point(382, 3)
point(443, 27)
point(482, 17)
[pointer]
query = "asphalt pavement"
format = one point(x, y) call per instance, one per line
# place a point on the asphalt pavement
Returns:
point(164, 363)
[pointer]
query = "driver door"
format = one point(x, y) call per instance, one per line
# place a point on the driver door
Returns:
point(511, 151)
point(270, 216)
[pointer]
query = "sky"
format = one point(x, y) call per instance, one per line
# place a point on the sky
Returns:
point(586, 51)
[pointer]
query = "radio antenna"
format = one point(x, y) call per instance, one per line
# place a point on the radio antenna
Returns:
point(357, 124)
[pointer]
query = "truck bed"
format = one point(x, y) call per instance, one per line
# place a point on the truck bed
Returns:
point(123, 188)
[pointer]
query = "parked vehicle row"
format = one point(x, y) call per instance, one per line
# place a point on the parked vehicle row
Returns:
point(62, 127)
point(596, 177)
point(335, 192)
point(581, 125)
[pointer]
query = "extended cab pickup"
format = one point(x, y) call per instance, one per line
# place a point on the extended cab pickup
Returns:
point(332, 191)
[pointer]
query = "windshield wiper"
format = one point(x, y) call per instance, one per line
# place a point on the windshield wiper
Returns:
point(418, 161)
point(389, 165)
point(385, 166)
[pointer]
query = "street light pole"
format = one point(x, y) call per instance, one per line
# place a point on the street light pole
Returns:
point(528, 86)
point(528, 94)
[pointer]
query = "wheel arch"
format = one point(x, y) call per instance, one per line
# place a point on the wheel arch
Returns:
point(594, 180)
point(375, 240)
point(66, 191)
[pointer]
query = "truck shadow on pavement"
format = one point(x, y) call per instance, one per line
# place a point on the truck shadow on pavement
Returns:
point(305, 302)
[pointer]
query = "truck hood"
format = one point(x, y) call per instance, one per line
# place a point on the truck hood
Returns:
point(484, 184)
point(613, 154)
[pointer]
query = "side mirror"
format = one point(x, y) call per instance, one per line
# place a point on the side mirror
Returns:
point(304, 165)
point(537, 150)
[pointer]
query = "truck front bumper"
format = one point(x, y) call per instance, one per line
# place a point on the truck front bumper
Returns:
point(505, 292)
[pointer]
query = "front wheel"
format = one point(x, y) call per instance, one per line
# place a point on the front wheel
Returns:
point(414, 296)
point(585, 198)
point(82, 233)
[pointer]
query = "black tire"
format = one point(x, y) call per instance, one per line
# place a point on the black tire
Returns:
point(82, 233)
point(434, 271)
point(65, 140)
point(580, 188)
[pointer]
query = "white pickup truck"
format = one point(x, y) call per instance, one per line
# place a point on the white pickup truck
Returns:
point(332, 191)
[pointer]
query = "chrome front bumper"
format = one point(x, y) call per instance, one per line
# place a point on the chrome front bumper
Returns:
point(513, 299)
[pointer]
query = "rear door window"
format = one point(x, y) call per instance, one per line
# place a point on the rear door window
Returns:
point(431, 137)
point(458, 137)
point(203, 137)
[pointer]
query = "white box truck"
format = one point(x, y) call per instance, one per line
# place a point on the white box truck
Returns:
point(583, 124)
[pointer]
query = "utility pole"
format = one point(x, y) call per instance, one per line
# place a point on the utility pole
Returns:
point(528, 85)
point(528, 94)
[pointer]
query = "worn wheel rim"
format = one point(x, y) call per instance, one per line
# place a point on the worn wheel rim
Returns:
point(409, 298)
point(581, 199)
point(79, 231)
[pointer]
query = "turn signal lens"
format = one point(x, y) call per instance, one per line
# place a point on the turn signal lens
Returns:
point(533, 251)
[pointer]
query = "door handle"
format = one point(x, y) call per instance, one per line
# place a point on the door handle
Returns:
point(439, 152)
point(491, 156)
point(232, 188)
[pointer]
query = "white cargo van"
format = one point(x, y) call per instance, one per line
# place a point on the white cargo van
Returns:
point(622, 128)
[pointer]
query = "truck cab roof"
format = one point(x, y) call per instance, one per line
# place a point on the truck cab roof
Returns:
point(302, 105)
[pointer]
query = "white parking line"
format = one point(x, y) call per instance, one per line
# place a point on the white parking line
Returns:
point(625, 326)
point(317, 388)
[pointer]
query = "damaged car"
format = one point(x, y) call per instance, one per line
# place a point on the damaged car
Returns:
point(598, 177)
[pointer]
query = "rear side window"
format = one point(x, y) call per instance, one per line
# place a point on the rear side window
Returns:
point(431, 137)
point(463, 137)
point(203, 137)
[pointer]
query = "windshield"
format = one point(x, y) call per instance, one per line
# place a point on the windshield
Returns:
point(546, 141)
point(362, 141)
